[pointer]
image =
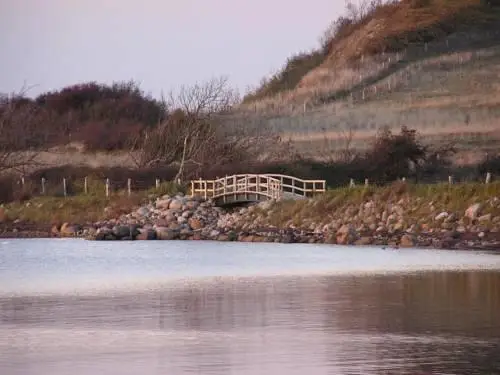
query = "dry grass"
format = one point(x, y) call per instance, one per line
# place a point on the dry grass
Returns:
point(84, 208)
point(455, 95)
point(420, 202)
point(355, 58)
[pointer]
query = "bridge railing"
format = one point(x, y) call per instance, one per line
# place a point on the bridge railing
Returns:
point(275, 186)
point(299, 187)
point(248, 184)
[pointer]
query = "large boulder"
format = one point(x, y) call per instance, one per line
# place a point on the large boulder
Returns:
point(69, 230)
point(146, 235)
point(192, 204)
point(176, 204)
point(473, 211)
point(121, 231)
point(166, 234)
point(104, 234)
point(408, 240)
point(163, 203)
point(142, 211)
point(195, 224)
point(346, 235)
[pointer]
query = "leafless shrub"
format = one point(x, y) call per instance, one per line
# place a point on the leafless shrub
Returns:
point(199, 131)
point(22, 136)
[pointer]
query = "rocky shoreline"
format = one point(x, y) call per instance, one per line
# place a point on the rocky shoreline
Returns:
point(188, 218)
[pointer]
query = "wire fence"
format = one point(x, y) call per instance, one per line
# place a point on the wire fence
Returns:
point(373, 76)
point(67, 187)
point(108, 188)
point(446, 85)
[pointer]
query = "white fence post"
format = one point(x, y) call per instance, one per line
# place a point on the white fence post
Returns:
point(107, 187)
point(85, 186)
point(43, 185)
point(129, 186)
point(65, 190)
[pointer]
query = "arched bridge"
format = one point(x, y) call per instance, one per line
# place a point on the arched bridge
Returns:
point(256, 187)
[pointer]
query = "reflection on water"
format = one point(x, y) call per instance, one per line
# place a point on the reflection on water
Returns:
point(433, 322)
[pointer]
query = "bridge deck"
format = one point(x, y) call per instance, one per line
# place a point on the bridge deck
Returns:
point(256, 187)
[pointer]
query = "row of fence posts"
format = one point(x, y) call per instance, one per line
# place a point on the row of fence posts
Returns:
point(107, 186)
point(451, 180)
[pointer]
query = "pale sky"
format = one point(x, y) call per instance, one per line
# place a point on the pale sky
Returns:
point(160, 44)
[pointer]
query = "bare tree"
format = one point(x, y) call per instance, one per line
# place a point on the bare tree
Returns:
point(22, 135)
point(346, 153)
point(199, 130)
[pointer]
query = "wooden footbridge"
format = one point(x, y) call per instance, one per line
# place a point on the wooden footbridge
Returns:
point(256, 187)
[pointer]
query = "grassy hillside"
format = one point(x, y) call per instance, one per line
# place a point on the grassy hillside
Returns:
point(430, 65)
point(383, 28)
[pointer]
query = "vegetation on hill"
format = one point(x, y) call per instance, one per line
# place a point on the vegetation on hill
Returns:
point(187, 129)
point(371, 27)
point(102, 117)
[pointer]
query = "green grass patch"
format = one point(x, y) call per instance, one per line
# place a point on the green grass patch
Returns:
point(420, 202)
point(86, 208)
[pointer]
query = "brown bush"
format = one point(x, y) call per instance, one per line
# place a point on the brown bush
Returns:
point(102, 117)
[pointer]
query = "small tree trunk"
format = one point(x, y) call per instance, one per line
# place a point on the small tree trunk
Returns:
point(179, 174)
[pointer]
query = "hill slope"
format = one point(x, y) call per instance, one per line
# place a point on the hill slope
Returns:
point(432, 65)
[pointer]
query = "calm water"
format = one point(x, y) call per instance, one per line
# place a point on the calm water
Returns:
point(74, 307)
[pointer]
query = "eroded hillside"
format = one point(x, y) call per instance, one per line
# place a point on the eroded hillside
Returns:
point(432, 65)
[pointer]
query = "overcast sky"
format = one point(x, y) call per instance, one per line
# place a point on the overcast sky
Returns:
point(159, 43)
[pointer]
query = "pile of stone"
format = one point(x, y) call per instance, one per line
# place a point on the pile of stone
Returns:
point(167, 218)
point(371, 223)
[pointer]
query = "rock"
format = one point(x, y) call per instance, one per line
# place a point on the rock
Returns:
point(441, 216)
point(104, 234)
point(408, 240)
point(146, 235)
point(166, 234)
point(288, 238)
point(473, 211)
point(54, 231)
point(192, 205)
point(170, 215)
point(68, 230)
point(346, 235)
point(364, 241)
point(89, 232)
point(161, 222)
point(121, 231)
point(484, 218)
point(195, 224)
point(3, 215)
point(163, 204)
point(142, 211)
point(453, 217)
point(174, 226)
point(214, 233)
point(176, 204)
point(331, 239)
